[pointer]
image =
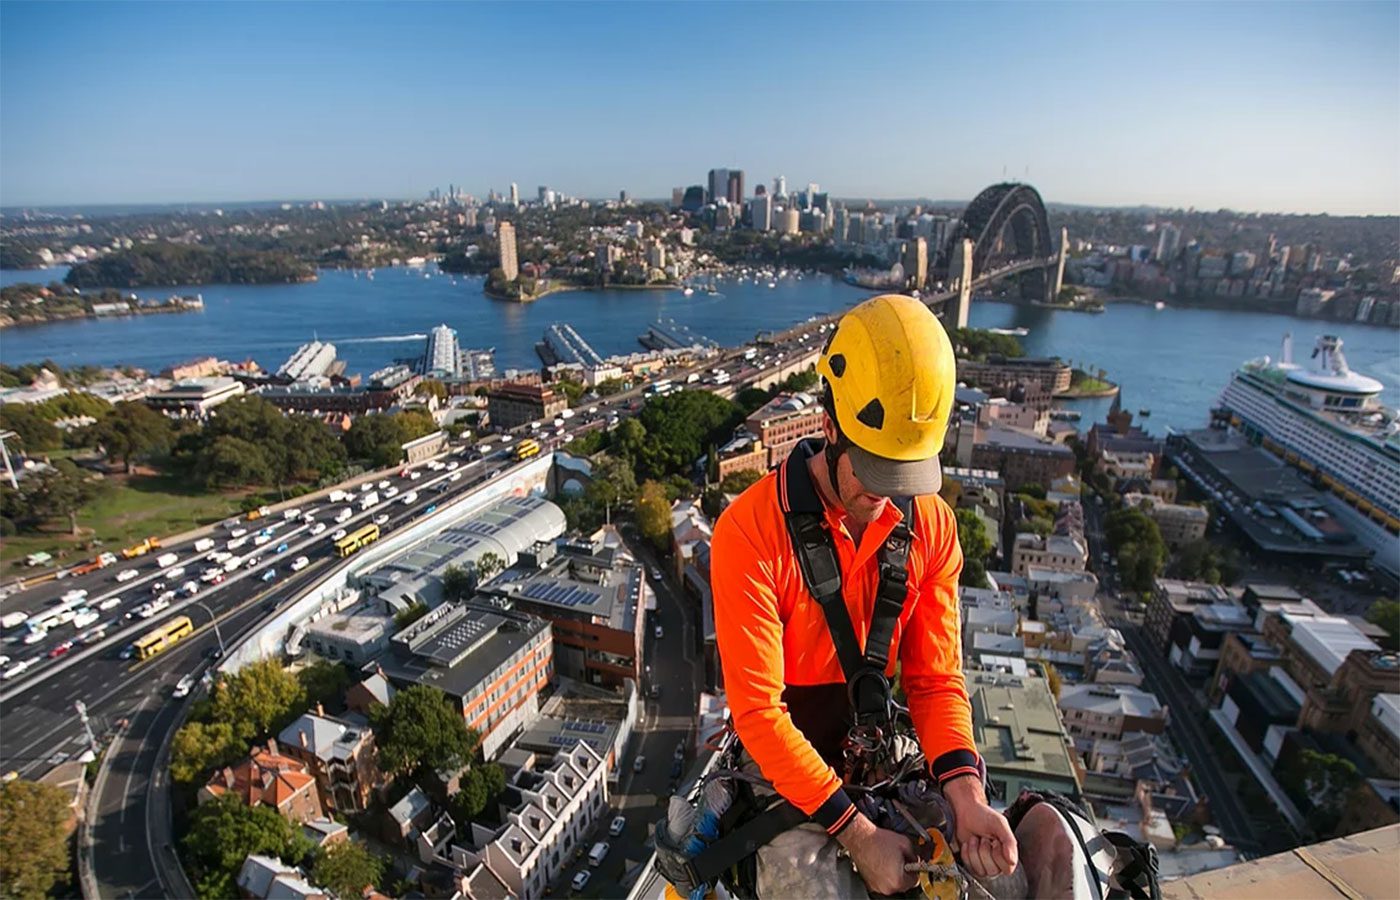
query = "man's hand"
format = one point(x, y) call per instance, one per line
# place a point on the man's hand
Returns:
point(984, 836)
point(879, 855)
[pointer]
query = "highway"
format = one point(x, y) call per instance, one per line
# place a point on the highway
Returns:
point(129, 701)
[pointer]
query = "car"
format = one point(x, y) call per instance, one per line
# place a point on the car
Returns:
point(318, 528)
point(300, 563)
point(680, 750)
point(221, 557)
point(183, 687)
point(35, 637)
point(189, 588)
point(391, 492)
point(455, 476)
point(619, 825)
point(4, 661)
point(269, 575)
point(452, 465)
point(127, 652)
point(157, 587)
point(60, 649)
point(383, 485)
point(214, 653)
point(381, 519)
point(408, 498)
point(109, 603)
point(658, 632)
point(88, 638)
point(15, 670)
point(431, 509)
point(655, 574)
point(236, 543)
point(414, 476)
point(339, 533)
point(262, 539)
point(212, 576)
point(581, 880)
point(366, 488)
point(126, 575)
point(282, 547)
point(655, 692)
point(639, 764)
point(253, 562)
point(237, 532)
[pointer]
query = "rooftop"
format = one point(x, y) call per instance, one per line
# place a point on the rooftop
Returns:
point(1327, 639)
point(1016, 439)
point(456, 647)
point(327, 737)
point(1359, 865)
point(1016, 725)
point(1111, 700)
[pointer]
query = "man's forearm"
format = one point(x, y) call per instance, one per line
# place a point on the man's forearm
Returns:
point(965, 791)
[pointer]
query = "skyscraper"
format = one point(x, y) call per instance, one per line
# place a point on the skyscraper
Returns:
point(718, 186)
point(677, 197)
point(694, 198)
point(514, 194)
point(735, 191)
point(780, 187)
point(624, 198)
point(916, 262)
point(761, 211)
point(542, 191)
point(789, 222)
point(1168, 242)
point(506, 236)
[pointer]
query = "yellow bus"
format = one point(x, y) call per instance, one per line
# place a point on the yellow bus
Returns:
point(162, 637)
point(360, 537)
point(527, 448)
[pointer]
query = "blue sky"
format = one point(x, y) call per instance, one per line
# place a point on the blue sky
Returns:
point(1255, 106)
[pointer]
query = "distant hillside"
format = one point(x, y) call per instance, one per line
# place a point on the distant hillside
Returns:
point(166, 264)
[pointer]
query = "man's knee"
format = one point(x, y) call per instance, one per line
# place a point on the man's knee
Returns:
point(1046, 851)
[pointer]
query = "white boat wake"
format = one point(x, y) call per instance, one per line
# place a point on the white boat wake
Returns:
point(387, 339)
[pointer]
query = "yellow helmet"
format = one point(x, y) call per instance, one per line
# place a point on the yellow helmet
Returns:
point(891, 375)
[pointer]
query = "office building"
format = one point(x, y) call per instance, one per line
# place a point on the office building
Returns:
point(656, 255)
point(1172, 602)
point(514, 404)
point(195, 397)
point(717, 185)
point(735, 187)
point(783, 421)
point(490, 663)
point(788, 221)
point(780, 187)
point(1168, 243)
point(694, 198)
point(677, 197)
point(514, 194)
point(591, 593)
point(1110, 711)
point(510, 265)
point(761, 212)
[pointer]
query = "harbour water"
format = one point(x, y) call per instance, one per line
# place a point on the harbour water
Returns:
point(1173, 362)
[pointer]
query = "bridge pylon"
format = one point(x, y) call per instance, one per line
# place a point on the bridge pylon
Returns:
point(960, 278)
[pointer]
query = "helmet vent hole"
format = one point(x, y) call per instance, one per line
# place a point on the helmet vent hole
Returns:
point(838, 364)
point(873, 415)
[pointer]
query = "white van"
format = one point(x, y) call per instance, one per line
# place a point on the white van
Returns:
point(203, 544)
point(166, 560)
point(336, 495)
point(598, 853)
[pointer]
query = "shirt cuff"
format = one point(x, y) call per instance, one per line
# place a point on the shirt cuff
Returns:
point(835, 813)
point(956, 764)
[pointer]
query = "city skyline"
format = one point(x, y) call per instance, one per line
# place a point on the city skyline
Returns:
point(1289, 111)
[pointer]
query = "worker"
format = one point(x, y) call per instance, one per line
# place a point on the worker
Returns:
point(888, 376)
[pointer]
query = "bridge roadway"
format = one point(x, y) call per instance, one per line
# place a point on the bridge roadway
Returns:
point(130, 701)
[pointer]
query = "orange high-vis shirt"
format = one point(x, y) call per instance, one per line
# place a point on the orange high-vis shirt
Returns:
point(784, 684)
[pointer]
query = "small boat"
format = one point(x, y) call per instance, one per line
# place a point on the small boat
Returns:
point(688, 291)
point(1144, 413)
point(1013, 332)
point(772, 284)
point(1159, 305)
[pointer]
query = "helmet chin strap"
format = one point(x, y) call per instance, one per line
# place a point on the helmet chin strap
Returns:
point(832, 452)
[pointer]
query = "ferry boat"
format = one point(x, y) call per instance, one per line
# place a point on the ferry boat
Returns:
point(1327, 421)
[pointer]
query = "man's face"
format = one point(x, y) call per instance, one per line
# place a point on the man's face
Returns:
point(859, 504)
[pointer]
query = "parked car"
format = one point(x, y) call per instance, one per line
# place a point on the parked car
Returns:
point(581, 879)
point(619, 825)
point(639, 764)
point(658, 632)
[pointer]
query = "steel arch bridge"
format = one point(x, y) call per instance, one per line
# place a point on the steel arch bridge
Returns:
point(1010, 234)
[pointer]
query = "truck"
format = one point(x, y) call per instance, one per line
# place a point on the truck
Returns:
point(258, 513)
point(290, 513)
point(37, 559)
point(692, 378)
point(13, 620)
point(142, 548)
point(337, 495)
point(203, 544)
point(101, 562)
point(166, 560)
point(369, 500)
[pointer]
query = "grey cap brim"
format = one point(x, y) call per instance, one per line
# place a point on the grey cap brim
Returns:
point(896, 477)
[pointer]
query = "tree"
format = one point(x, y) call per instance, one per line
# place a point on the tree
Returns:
point(572, 390)
point(224, 832)
point(33, 839)
point(377, 438)
point(1386, 613)
point(751, 398)
point(654, 514)
point(712, 502)
point(421, 729)
point(233, 462)
point(347, 868)
point(613, 484)
point(976, 547)
point(805, 380)
point(35, 434)
point(1052, 679)
point(431, 387)
point(678, 427)
point(131, 430)
point(457, 582)
point(199, 747)
point(1207, 561)
point(738, 482)
point(1322, 782)
point(61, 491)
point(488, 565)
point(608, 387)
point(1139, 547)
point(258, 699)
point(482, 785)
point(406, 617)
point(324, 682)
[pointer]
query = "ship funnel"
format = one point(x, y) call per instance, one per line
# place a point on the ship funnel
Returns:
point(1286, 357)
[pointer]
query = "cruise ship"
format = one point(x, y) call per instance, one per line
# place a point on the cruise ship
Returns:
point(1327, 421)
